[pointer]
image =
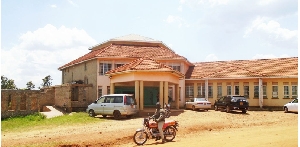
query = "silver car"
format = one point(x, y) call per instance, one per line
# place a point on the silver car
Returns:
point(198, 103)
point(116, 105)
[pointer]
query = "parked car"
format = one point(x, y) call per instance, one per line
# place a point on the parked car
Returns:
point(291, 106)
point(115, 105)
point(232, 102)
point(198, 103)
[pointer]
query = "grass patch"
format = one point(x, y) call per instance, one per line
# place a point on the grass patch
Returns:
point(39, 121)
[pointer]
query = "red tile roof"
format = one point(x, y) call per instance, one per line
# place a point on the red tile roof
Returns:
point(144, 64)
point(279, 67)
point(127, 51)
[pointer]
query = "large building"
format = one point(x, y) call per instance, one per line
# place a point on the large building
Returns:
point(153, 72)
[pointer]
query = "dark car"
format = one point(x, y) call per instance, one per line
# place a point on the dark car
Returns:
point(232, 102)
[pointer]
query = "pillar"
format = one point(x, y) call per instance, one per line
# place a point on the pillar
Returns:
point(177, 96)
point(161, 92)
point(166, 92)
point(195, 90)
point(260, 87)
point(112, 88)
point(142, 95)
point(206, 89)
point(137, 93)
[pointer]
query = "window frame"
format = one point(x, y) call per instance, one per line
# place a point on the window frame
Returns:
point(228, 90)
point(104, 67)
point(189, 91)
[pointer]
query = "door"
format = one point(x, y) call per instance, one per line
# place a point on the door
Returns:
point(98, 108)
point(294, 105)
point(109, 105)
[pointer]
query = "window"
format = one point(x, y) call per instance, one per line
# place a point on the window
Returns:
point(236, 90)
point(175, 66)
point(210, 91)
point(264, 90)
point(85, 67)
point(201, 90)
point(256, 91)
point(99, 91)
point(219, 90)
point(246, 91)
point(286, 91)
point(189, 91)
point(104, 67)
point(294, 91)
point(229, 90)
point(274, 90)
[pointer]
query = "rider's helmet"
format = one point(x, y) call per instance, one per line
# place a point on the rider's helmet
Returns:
point(157, 105)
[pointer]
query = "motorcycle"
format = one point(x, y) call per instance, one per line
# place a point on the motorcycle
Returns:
point(150, 131)
point(167, 110)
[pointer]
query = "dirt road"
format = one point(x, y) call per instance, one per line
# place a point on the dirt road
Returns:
point(197, 128)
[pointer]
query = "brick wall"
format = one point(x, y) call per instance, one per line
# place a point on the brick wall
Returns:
point(73, 97)
point(24, 102)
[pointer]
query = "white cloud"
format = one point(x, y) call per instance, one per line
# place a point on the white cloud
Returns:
point(72, 3)
point(177, 19)
point(211, 57)
point(53, 6)
point(269, 56)
point(56, 38)
point(180, 8)
point(265, 2)
point(41, 52)
point(272, 31)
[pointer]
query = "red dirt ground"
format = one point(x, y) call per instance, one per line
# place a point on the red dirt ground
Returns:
point(196, 128)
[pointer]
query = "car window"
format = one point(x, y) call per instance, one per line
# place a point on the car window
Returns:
point(130, 100)
point(101, 100)
point(295, 101)
point(200, 99)
point(118, 99)
point(109, 99)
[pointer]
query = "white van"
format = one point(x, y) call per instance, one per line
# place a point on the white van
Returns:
point(116, 105)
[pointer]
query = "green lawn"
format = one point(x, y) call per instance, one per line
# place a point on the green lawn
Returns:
point(39, 121)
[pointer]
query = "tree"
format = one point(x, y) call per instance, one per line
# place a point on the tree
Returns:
point(7, 83)
point(47, 81)
point(30, 85)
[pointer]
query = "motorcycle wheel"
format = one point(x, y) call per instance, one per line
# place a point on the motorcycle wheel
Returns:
point(140, 137)
point(169, 133)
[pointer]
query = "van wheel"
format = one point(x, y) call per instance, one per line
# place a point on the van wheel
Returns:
point(117, 115)
point(286, 110)
point(92, 113)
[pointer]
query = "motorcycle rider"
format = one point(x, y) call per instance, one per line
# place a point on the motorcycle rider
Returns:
point(159, 117)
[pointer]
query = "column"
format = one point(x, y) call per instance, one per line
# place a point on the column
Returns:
point(142, 95)
point(206, 89)
point(177, 96)
point(260, 87)
point(137, 93)
point(112, 88)
point(161, 92)
point(166, 92)
point(195, 90)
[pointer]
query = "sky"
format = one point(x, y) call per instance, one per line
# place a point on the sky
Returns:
point(37, 37)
